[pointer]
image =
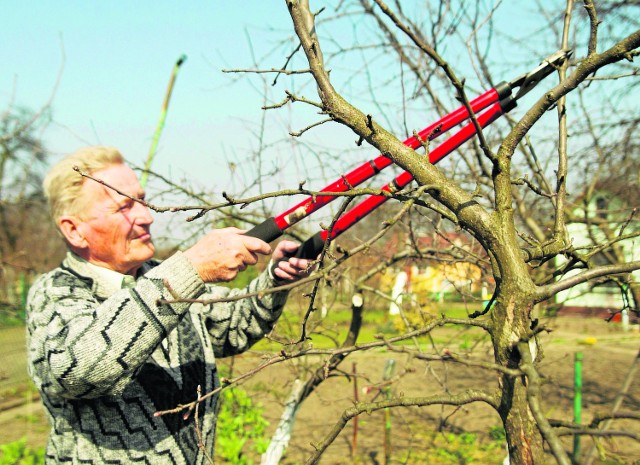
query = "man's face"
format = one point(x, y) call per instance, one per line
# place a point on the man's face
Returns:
point(116, 228)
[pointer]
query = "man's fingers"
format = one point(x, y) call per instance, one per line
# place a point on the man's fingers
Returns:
point(292, 269)
point(253, 259)
point(300, 263)
point(282, 274)
point(285, 249)
point(290, 246)
point(255, 245)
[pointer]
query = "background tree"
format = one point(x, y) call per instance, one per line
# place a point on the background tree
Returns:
point(28, 241)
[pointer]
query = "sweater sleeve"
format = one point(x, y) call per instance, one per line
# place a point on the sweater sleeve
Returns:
point(236, 325)
point(81, 347)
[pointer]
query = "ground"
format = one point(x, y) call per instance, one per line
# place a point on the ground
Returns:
point(444, 435)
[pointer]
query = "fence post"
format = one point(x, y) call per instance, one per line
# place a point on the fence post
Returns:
point(577, 403)
point(354, 438)
point(389, 369)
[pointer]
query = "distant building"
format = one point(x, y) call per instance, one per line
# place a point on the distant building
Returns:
point(602, 217)
point(444, 273)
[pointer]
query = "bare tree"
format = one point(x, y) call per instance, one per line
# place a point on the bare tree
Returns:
point(520, 261)
point(513, 193)
point(23, 213)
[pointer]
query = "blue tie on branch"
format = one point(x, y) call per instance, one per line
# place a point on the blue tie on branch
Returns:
point(163, 116)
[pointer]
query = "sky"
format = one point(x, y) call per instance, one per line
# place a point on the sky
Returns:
point(105, 67)
point(109, 64)
point(112, 62)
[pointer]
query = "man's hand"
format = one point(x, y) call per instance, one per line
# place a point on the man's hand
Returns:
point(223, 253)
point(287, 268)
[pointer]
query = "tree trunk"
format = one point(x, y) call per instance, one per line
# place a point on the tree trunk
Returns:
point(511, 323)
point(523, 437)
point(634, 290)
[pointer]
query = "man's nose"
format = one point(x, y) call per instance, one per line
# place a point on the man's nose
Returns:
point(143, 214)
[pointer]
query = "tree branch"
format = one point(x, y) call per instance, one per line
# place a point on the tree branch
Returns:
point(533, 396)
point(467, 397)
point(549, 290)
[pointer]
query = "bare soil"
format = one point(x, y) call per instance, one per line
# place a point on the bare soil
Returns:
point(418, 433)
point(608, 355)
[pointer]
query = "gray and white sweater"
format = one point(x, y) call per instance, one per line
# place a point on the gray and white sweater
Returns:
point(106, 359)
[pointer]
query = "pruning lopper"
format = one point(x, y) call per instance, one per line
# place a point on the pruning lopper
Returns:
point(499, 101)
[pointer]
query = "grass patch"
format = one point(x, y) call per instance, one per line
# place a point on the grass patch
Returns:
point(446, 448)
point(19, 453)
point(330, 330)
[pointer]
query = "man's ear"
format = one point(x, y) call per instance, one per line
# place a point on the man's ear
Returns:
point(70, 227)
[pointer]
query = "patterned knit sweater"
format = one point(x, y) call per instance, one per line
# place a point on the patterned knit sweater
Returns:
point(105, 359)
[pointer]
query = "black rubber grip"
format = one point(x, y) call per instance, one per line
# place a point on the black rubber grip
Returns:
point(503, 89)
point(508, 104)
point(310, 248)
point(268, 230)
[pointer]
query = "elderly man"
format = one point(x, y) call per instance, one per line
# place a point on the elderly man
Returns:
point(105, 353)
